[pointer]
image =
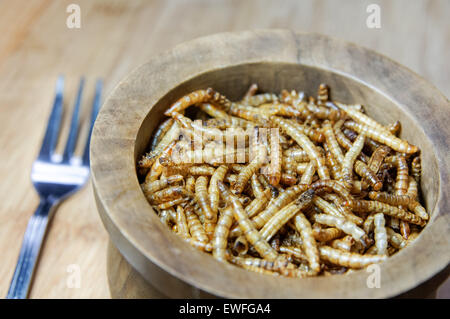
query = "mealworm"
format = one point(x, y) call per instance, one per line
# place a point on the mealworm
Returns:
point(349, 160)
point(295, 252)
point(281, 217)
point(149, 159)
point(390, 199)
point(396, 240)
point(383, 137)
point(322, 94)
point(195, 227)
point(305, 143)
point(167, 216)
point(377, 158)
point(322, 112)
point(149, 188)
point(363, 170)
point(160, 132)
point(247, 227)
point(414, 205)
point(345, 211)
point(173, 202)
point(327, 234)
point(309, 243)
point(344, 243)
point(276, 266)
point(334, 186)
point(201, 197)
point(333, 165)
point(296, 154)
point(348, 259)
point(182, 226)
point(416, 169)
point(379, 207)
point(192, 98)
point(249, 170)
point(253, 88)
point(170, 193)
point(394, 128)
point(274, 206)
point(258, 99)
point(212, 111)
point(213, 190)
point(361, 118)
point(258, 204)
point(346, 226)
point(308, 175)
point(190, 183)
point(240, 246)
point(201, 245)
point(332, 142)
point(380, 234)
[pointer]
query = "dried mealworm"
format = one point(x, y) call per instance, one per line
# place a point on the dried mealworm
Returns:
point(149, 188)
point(332, 142)
point(277, 204)
point(258, 204)
point(309, 243)
point(377, 158)
point(348, 259)
point(349, 160)
point(383, 137)
point(148, 159)
point(192, 98)
point(221, 232)
point(379, 207)
point(334, 186)
point(195, 227)
point(346, 226)
point(308, 175)
point(170, 193)
point(416, 169)
point(190, 183)
point(281, 217)
point(395, 239)
point(160, 132)
point(213, 190)
point(414, 205)
point(249, 170)
point(182, 226)
point(305, 143)
point(344, 243)
point(173, 202)
point(201, 197)
point(327, 234)
point(247, 227)
point(363, 170)
point(380, 234)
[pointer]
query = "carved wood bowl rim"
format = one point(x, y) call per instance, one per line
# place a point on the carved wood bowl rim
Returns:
point(179, 270)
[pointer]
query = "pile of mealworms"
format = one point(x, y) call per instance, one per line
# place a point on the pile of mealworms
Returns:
point(343, 194)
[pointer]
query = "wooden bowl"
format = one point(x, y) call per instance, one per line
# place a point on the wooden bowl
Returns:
point(275, 59)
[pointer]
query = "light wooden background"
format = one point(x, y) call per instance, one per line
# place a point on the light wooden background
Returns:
point(114, 38)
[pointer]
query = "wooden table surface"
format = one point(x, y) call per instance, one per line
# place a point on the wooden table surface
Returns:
point(117, 36)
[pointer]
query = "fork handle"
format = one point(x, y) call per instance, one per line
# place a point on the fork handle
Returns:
point(29, 252)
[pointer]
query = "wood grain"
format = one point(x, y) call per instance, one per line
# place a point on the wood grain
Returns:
point(116, 37)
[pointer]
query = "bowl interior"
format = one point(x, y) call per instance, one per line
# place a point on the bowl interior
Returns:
point(273, 77)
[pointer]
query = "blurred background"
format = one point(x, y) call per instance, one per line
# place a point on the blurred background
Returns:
point(43, 38)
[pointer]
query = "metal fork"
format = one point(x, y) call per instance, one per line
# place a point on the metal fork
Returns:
point(54, 180)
